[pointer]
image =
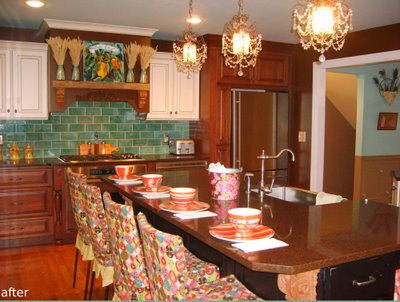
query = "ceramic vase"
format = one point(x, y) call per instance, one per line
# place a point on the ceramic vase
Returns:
point(143, 76)
point(130, 77)
point(75, 73)
point(60, 74)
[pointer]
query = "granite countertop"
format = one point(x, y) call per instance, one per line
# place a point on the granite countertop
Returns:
point(51, 161)
point(318, 236)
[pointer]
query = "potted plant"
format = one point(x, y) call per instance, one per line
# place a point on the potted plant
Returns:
point(388, 86)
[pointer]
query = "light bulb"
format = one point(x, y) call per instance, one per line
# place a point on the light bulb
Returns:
point(189, 52)
point(241, 43)
point(322, 20)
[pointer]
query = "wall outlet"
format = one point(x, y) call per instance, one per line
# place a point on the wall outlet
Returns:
point(302, 137)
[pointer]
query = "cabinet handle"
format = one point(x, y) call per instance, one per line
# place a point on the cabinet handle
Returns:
point(15, 203)
point(15, 179)
point(371, 279)
point(17, 228)
point(58, 206)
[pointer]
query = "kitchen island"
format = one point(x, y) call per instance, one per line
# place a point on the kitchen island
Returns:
point(348, 250)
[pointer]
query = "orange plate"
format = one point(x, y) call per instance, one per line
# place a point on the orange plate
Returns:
point(195, 206)
point(142, 190)
point(227, 232)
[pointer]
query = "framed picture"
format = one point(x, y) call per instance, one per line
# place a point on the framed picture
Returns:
point(387, 121)
point(103, 61)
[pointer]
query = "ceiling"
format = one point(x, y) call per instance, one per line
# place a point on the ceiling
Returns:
point(272, 17)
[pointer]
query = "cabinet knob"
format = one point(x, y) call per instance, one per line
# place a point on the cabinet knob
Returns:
point(15, 110)
point(8, 110)
point(170, 113)
point(176, 112)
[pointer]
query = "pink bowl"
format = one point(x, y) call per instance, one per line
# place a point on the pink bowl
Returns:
point(152, 182)
point(123, 171)
point(244, 220)
point(181, 196)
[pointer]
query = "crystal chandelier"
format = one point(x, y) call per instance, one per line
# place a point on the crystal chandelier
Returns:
point(322, 24)
point(240, 42)
point(190, 52)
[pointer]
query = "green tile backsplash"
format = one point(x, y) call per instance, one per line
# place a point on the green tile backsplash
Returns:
point(114, 123)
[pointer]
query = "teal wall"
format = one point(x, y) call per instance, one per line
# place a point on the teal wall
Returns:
point(115, 123)
point(369, 140)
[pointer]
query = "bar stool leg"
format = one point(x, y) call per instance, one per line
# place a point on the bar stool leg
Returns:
point(75, 267)
point(91, 286)
point(87, 280)
point(106, 293)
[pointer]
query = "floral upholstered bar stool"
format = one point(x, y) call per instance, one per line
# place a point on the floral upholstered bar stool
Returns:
point(169, 275)
point(130, 275)
point(82, 244)
point(100, 238)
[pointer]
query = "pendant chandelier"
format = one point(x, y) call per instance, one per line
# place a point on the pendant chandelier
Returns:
point(322, 24)
point(240, 42)
point(190, 52)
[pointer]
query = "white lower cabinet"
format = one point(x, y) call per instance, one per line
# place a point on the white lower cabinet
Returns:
point(173, 96)
point(23, 80)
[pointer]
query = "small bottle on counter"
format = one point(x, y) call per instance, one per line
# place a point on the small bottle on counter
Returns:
point(28, 152)
point(14, 152)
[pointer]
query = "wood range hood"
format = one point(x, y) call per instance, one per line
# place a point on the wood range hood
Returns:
point(63, 93)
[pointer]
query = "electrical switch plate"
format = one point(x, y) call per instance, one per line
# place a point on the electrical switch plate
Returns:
point(1, 139)
point(302, 137)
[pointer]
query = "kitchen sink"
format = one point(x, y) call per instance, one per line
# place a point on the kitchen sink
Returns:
point(293, 194)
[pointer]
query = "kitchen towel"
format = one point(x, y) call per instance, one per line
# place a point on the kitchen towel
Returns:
point(195, 215)
point(259, 245)
point(326, 198)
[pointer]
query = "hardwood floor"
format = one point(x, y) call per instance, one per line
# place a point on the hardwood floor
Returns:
point(46, 272)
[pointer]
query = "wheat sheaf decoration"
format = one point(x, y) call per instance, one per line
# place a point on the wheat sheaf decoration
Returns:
point(131, 51)
point(146, 53)
point(58, 47)
point(388, 86)
point(75, 48)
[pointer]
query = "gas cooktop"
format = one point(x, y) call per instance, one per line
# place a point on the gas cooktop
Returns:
point(99, 157)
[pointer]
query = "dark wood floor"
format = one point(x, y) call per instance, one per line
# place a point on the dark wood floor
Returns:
point(46, 272)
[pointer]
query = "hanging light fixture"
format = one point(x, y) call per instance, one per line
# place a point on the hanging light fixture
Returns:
point(240, 42)
point(322, 24)
point(190, 52)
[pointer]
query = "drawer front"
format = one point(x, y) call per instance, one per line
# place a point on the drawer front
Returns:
point(24, 228)
point(26, 202)
point(25, 177)
point(370, 279)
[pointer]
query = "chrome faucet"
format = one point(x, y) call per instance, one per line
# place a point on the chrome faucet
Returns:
point(263, 157)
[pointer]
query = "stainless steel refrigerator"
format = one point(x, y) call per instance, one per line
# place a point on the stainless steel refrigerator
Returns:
point(259, 122)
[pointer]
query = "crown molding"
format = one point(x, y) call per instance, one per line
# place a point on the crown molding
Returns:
point(95, 27)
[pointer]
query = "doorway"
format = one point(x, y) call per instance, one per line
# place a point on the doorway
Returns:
point(319, 107)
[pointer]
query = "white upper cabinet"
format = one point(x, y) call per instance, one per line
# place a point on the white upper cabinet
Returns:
point(23, 81)
point(173, 96)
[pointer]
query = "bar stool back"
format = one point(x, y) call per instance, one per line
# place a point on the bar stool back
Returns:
point(130, 274)
point(168, 273)
point(82, 244)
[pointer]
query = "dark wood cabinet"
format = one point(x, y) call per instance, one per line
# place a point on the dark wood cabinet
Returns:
point(273, 72)
point(368, 279)
point(26, 206)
